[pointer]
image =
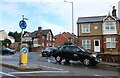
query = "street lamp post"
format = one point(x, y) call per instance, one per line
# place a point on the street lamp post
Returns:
point(72, 22)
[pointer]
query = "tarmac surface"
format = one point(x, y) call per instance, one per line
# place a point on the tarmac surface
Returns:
point(14, 64)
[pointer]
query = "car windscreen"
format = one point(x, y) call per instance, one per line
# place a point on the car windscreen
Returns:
point(50, 48)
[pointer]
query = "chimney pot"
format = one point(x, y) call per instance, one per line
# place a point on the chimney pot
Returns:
point(114, 12)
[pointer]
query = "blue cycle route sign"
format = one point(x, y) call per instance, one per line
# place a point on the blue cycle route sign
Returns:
point(25, 50)
point(22, 24)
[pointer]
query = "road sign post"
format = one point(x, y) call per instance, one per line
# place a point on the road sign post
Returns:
point(22, 25)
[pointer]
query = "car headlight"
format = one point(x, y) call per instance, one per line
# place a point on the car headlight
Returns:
point(93, 55)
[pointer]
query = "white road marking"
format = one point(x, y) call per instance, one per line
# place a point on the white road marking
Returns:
point(39, 72)
point(51, 67)
point(9, 75)
point(5, 56)
point(97, 75)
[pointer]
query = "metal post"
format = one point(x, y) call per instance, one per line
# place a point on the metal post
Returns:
point(20, 47)
point(72, 21)
point(21, 43)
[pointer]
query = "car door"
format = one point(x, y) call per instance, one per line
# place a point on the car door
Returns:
point(77, 53)
point(66, 52)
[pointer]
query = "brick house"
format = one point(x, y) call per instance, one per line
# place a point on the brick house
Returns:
point(63, 38)
point(45, 37)
point(99, 33)
point(38, 39)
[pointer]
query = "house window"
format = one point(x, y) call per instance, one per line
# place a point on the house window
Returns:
point(109, 25)
point(50, 37)
point(47, 44)
point(85, 28)
point(110, 42)
point(42, 44)
point(86, 44)
point(47, 36)
point(43, 37)
point(35, 42)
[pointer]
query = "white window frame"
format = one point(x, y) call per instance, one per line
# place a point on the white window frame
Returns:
point(110, 25)
point(85, 28)
point(43, 37)
point(43, 45)
point(35, 42)
point(110, 42)
point(50, 37)
point(47, 36)
point(86, 44)
point(47, 44)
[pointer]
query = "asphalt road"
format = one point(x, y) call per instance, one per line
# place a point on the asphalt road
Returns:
point(52, 69)
point(4, 73)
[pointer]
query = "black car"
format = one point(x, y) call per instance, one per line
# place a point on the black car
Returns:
point(73, 52)
point(49, 51)
point(8, 51)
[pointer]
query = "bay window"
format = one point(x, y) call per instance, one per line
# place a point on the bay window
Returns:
point(109, 25)
point(110, 42)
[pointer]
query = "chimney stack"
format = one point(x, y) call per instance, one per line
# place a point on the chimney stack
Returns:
point(114, 12)
point(39, 35)
point(39, 31)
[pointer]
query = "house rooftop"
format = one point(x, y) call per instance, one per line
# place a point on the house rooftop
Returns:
point(44, 32)
point(34, 34)
point(92, 19)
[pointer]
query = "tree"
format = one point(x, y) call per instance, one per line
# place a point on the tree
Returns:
point(6, 42)
point(67, 43)
point(15, 35)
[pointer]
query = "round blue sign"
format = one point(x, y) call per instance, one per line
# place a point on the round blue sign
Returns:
point(25, 50)
point(22, 24)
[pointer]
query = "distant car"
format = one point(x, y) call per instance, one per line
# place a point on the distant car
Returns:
point(73, 52)
point(49, 51)
point(8, 51)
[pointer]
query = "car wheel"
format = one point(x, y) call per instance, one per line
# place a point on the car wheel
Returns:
point(58, 58)
point(86, 62)
point(43, 55)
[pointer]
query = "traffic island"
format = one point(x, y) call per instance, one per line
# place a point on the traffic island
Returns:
point(21, 68)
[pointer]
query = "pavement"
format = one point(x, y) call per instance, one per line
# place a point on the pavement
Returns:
point(14, 64)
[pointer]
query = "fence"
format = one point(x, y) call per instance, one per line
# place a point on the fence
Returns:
point(114, 58)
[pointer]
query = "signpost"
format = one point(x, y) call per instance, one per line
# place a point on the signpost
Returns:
point(23, 57)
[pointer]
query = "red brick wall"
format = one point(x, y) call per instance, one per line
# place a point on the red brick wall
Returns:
point(60, 40)
point(92, 38)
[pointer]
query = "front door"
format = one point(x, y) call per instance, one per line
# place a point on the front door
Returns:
point(97, 45)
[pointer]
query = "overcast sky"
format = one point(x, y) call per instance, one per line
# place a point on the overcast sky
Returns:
point(50, 14)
